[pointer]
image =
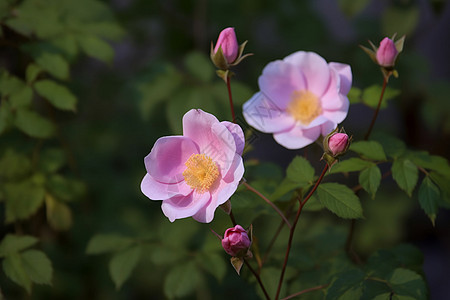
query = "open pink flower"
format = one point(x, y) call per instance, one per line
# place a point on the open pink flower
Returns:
point(300, 98)
point(196, 172)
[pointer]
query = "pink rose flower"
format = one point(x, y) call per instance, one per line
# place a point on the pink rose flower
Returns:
point(300, 98)
point(338, 143)
point(228, 41)
point(386, 53)
point(236, 241)
point(195, 173)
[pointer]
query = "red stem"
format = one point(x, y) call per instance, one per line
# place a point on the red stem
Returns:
point(291, 234)
point(374, 118)
point(231, 100)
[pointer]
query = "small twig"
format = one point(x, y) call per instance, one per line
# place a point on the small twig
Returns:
point(374, 118)
point(319, 287)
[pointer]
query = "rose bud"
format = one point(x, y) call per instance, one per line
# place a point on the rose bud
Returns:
point(236, 241)
point(386, 53)
point(338, 143)
point(227, 41)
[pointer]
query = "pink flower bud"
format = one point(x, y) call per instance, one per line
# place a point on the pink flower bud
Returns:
point(236, 241)
point(386, 53)
point(227, 40)
point(338, 143)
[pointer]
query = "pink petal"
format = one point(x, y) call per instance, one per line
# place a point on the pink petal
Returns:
point(236, 170)
point(297, 138)
point(197, 125)
point(337, 116)
point(221, 148)
point(265, 115)
point(165, 163)
point(156, 190)
point(179, 207)
point(331, 99)
point(314, 68)
point(279, 80)
point(316, 122)
point(327, 127)
point(345, 74)
point(238, 135)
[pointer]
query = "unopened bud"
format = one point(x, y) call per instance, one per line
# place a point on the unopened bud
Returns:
point(227, 41)
point(236, 241)
point(338, 143)
point(386, 53)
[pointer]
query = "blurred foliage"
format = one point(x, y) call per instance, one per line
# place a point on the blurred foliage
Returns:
point(83, 99)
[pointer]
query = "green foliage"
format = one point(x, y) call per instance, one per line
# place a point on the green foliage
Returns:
point(370, 96)
point(182, 280)
point(405, 173)
point(429, 196)
point(369, 149)
point(122, 264)
point(58, 95)
point(370, 179)
point(15, 243)
point(340, 200)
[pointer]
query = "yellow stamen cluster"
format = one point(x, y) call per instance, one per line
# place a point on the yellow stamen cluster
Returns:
point(201, 172)
point(304, 107)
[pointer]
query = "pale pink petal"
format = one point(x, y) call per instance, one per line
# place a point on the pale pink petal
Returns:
point(327, 127)
point(316, 122)
point(165, 163)
point(221, 148)
point(297, 138)
point(314, 68)
point(345, 74)
point(279, 80)
point(238, 135)
point(331, 98)
point(179, 207)
point(236, 170)
point(337, 116)
point(265, 115)
point(197, 125)
point(156, 190)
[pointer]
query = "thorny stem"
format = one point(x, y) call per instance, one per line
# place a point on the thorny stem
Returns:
point(319, 287)
point(268, 202)
point(231, 99)
point(291, 233)
point(374, 118)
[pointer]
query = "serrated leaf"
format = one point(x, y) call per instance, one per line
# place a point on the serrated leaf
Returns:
point(370, 149)
point(429, 195)
point(350, 165)
point(370, 179)
point(22, 199)
point(371, 95)
point(392, 146)
point(13, 164)
point(13, 268)
point(37, 266)
point(199, 66)
point(96, 47)
point(34, 124)
point(104, 243)
point(346, 285)
point(54, 63)
point(59, 215)
point(431, 162)
point(182, 280)
point(15, 243)
point(58, 95)
point(405, 282)
point(123, 263)
point(340, 200)
point(300, 171)
point(405, 173)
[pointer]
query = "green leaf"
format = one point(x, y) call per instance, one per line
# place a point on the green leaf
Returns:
point(199, 66)
point(354, 95)
point(21, 98)
point(405, 282)
point(14, 165)
point(182, 280)
point(370, 149)
point(283, 188)
point(300, 171)
point(37, 266)
point(392, 146)
point(59, 215)
point(370, 179)
point(65, 189)
point(123, 263)
point(374, 289)
point(432, 162)
point(350, 165)
point(371, 96)
point(32, 72)
point(58, 95)
point(14, 269)
point(96, 47)
point(104, 243)
point(340, 200)
point(405, 173)
point(15, 243)
point(51, 160)
point(213, 263)
point(429, 195)
point(346, 285)
point(34, 124)
point(164, 255)
point(22, 199)
point(54, 63)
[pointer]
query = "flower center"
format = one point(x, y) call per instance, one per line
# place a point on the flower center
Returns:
point(304, 106)
point(201, 172)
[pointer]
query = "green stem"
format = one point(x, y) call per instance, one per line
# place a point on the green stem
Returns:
point(291, 233)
